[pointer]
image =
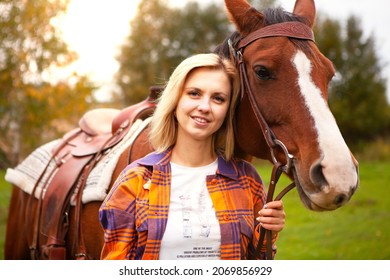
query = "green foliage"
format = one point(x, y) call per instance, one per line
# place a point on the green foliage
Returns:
point(377, 150)
point(357, 95)
point(53, 109)
point(160, 38)
point(30, 48)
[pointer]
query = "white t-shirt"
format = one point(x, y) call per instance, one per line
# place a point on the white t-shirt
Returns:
point(192, 230)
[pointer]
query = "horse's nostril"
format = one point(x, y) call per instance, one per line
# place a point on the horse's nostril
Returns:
point(340, 199)
point(317, 175)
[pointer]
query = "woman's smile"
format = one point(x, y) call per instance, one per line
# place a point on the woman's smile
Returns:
point(201, 121)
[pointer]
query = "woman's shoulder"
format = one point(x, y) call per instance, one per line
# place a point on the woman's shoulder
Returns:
point(242, 163)
point(152, 159)
point(144, 166)
point(246, 168)
point(236, 167)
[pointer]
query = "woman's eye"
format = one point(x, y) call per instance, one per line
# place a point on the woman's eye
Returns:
point(193, 93)
point(262, 73)
point(219, 99)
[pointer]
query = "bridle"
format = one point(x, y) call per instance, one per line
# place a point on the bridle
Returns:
point(291, 29)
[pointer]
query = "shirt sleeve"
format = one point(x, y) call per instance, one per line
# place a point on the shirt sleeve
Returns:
point(117, 217)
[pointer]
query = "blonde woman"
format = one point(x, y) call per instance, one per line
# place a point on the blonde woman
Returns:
point(190, 199)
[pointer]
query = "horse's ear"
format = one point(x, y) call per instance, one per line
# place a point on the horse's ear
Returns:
point(243, 15)
point(307, 10)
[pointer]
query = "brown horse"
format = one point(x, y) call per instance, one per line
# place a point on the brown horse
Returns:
point(283, 116)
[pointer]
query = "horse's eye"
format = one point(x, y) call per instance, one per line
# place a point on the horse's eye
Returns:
point(262, 73)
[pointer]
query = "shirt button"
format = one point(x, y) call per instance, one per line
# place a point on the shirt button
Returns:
point(226, 217)
point(138, 223)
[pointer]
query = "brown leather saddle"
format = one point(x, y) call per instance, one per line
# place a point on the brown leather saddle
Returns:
point(75, 156)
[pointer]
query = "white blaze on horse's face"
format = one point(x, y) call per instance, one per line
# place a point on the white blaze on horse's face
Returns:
point(335, 171)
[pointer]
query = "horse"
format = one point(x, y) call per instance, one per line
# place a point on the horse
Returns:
point(282, 116)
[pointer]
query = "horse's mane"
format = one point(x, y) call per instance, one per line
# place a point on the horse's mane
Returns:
point(271, 16)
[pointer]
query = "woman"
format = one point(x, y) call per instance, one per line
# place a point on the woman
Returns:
point(190, 199)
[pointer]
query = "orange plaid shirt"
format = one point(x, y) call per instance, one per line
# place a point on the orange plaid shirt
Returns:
point(135, 212)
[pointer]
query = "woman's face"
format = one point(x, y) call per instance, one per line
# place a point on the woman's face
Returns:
point(203, 104)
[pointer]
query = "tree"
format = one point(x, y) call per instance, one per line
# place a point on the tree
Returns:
point(30, 46)
point(357, 95)
point(160, 38)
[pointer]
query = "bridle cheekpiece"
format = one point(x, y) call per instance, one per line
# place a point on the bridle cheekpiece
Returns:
point(291, 29)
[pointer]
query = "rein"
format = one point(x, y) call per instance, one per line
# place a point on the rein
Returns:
point(295, 30)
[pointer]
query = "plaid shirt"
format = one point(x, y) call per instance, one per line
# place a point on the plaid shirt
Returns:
point(135, 212)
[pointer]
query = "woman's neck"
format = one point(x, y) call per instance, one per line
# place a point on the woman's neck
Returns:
point(193, 154)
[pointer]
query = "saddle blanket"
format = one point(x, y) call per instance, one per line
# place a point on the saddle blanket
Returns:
point(27, 173)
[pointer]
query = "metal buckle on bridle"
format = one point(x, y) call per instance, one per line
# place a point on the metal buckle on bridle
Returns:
point(289, 157)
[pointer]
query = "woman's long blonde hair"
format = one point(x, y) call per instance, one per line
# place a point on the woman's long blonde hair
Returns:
point(163, 128)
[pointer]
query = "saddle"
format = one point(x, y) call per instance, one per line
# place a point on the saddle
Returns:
point(75, 156)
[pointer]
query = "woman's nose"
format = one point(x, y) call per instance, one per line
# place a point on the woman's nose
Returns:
point(204, 105)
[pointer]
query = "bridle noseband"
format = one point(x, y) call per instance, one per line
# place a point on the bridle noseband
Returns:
point(291, 29)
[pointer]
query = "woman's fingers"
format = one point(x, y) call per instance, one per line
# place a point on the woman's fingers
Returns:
point(278, 204)
point(272, 216)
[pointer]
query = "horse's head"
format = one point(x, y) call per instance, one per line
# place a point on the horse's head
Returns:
point(289, 80)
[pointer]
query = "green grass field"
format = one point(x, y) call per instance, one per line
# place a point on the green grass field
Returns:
point(358, 231)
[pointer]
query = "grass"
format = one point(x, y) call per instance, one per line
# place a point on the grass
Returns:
point(358, 231)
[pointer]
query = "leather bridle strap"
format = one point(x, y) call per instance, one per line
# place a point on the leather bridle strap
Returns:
point(277, 171)
point(295, 30)
point(291, 29)
point(272, 143)
point(268, 135)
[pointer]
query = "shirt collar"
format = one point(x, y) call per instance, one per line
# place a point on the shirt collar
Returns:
point(225, 168)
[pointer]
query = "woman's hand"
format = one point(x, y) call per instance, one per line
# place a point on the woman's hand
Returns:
point(272, 216)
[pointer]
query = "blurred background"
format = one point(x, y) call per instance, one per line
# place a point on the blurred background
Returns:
point(61, 58)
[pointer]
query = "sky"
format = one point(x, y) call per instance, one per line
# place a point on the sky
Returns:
point(96, 33)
